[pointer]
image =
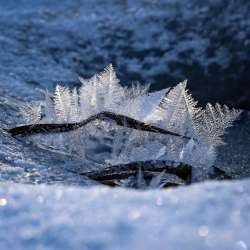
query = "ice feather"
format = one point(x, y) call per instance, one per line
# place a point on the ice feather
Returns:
point(174, 110)
point(31, 112)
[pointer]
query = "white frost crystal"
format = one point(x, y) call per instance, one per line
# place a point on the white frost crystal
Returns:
point(173, 110)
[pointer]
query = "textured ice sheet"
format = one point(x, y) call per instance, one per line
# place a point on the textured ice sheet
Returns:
point(202, 216)
point(44, 43)
point(161, 42)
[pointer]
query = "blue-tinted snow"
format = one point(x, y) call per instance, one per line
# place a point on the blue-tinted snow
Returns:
point(202, 216)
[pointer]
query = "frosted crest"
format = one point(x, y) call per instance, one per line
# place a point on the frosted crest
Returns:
point(104, 142)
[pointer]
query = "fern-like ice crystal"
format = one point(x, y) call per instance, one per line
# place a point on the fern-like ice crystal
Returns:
point(174, 110)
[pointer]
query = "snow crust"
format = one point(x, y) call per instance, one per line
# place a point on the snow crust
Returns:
point(202, 216)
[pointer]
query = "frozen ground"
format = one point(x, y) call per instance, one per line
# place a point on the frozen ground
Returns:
point(45, 42)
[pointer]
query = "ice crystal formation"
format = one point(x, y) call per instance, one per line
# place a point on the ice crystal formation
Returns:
point(103, 142)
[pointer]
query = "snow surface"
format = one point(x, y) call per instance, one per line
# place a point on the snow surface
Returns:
point(202, 216)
